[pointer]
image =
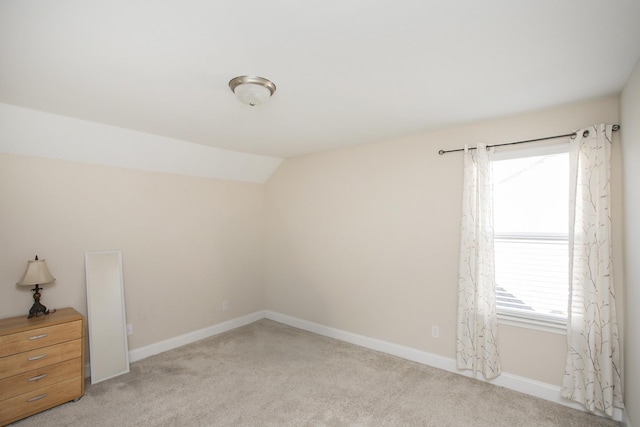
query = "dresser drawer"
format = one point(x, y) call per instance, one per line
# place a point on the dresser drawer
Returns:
point(38, 400)
point(34, 359)
point(38, 378)
point(40, 337)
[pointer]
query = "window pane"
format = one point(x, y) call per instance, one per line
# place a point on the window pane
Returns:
point(531, 194)
point(531, 202)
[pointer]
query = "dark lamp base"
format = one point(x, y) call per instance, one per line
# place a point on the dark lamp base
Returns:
point(37, 309)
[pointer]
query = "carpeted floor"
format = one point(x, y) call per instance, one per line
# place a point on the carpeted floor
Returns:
point(269, 374)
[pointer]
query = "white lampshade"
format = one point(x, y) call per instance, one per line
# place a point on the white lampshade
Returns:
point(37, 273)
point(252, 90)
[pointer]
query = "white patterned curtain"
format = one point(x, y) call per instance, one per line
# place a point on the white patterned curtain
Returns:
point(592, 375)
point(477, 325)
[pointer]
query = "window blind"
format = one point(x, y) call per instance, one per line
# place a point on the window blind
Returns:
point(532, 275)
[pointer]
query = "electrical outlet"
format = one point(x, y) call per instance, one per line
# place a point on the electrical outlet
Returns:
point(435, 331)
point(225, 305)
point(129, 329)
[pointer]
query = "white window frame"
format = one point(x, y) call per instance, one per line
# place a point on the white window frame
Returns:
point(531, 321)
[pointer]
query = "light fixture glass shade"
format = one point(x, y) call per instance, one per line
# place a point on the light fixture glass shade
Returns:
point(252, 90)
point(37, 273)
point(251, 94)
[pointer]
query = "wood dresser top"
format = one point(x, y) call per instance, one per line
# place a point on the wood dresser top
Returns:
point(21, 323)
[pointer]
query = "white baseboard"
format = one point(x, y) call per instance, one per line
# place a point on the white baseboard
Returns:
point(510, 381)
point(179, 341)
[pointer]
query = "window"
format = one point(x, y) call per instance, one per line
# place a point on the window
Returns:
point(531, 203)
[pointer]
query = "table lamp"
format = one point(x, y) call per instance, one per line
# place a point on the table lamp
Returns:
point(37, 274)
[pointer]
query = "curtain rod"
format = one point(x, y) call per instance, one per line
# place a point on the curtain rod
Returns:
point(571, 135)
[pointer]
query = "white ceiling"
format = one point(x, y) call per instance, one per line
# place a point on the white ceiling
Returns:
point(347, 71)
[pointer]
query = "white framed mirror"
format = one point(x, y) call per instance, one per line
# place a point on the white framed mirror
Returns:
point(108, 346)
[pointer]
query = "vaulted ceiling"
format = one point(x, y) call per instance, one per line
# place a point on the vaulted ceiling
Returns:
point(347, 72)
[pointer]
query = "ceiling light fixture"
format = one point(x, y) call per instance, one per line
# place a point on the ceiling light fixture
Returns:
point(252, 90)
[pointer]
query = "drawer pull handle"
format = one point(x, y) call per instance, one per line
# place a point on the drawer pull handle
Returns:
point(32, 358)
point(37, 337)
point(33, 399)
point(39, 377)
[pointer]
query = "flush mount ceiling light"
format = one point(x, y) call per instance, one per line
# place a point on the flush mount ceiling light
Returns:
point(252, 90)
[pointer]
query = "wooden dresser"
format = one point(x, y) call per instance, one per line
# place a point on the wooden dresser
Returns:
point(41, 363)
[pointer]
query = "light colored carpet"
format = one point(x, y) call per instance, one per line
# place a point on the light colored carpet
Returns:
point(269, 374)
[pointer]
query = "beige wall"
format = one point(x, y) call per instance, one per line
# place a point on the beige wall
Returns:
point(630, 138)
point(366, 239)
point(188, 243)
